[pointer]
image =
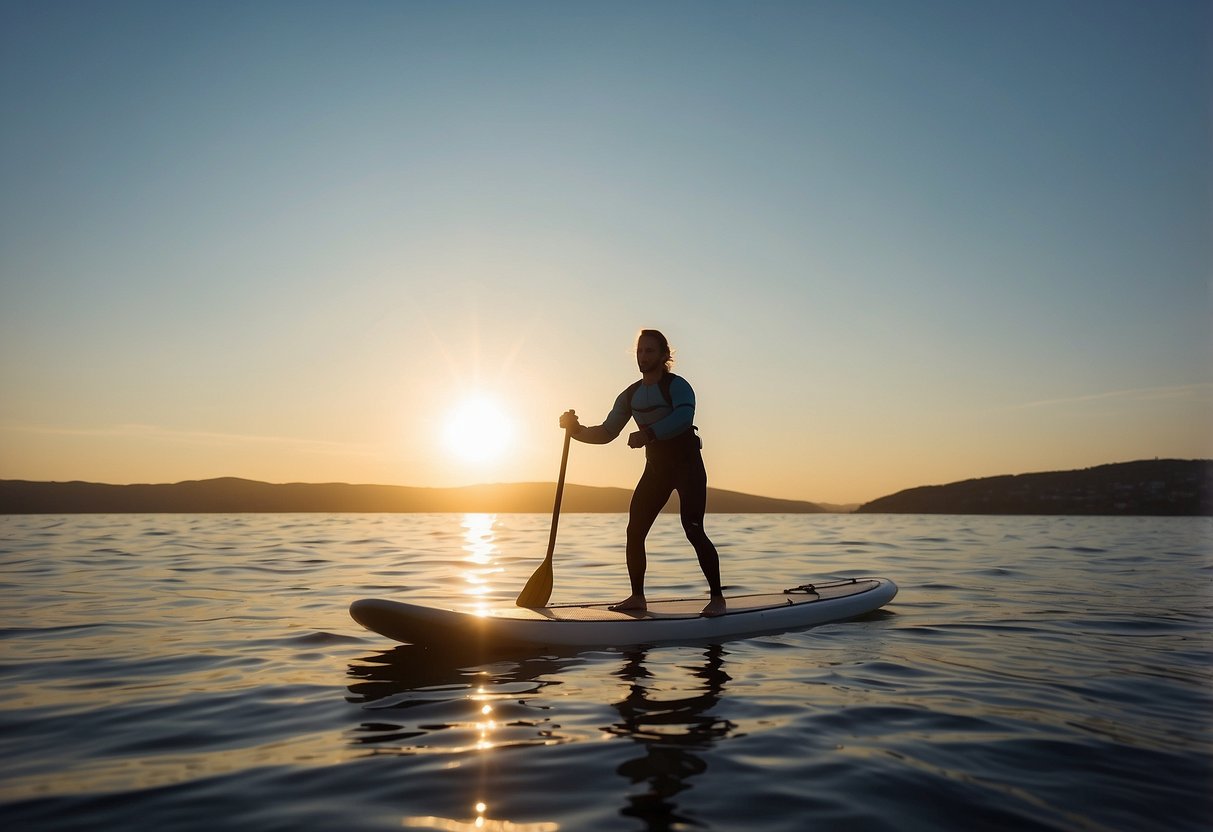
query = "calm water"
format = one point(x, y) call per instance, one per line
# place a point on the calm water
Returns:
point(201, 672)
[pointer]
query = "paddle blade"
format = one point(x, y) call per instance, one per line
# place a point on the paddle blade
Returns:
point(538, 589)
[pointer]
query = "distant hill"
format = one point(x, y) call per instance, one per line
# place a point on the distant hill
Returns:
point(232, 495)
point(1151, 487)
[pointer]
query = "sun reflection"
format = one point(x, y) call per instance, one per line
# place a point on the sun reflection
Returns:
point(485, 728)
point(480, 822)
point(481, 557)
point(480, 567)
point(486, 725)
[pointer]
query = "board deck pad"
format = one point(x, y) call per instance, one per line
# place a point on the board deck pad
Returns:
point(675, 608)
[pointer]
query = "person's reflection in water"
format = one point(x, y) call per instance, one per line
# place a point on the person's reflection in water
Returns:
point(670, 730)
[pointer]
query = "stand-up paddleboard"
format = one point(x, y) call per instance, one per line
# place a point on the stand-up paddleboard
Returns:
point(594, 625)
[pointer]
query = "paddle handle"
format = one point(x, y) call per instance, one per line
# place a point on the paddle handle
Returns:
point(564, 464)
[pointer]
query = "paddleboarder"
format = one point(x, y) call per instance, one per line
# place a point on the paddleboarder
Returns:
point(663, 407)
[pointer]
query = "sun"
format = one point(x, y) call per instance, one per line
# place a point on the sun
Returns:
point(478, 430)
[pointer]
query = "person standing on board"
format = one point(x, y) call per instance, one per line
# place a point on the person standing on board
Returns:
point(663, 407)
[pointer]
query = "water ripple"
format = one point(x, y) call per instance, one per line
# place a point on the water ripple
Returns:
point(195, 672)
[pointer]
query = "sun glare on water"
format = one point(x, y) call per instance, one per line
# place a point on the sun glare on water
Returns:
point(478, 430)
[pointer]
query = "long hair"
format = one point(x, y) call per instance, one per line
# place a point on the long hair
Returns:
point(662, 342)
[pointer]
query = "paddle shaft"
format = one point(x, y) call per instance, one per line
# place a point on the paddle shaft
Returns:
point(564, 464)
point(538, 589)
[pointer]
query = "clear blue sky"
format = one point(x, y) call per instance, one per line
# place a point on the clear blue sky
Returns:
point(894, 243)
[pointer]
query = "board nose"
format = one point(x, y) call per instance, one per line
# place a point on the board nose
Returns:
point(362, 610)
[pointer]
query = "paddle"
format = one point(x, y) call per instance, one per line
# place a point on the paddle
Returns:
point(539, 588)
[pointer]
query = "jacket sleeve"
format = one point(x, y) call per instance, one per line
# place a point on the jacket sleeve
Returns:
point(621, 411)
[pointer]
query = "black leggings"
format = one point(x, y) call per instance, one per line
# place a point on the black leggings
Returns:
point(664, 474)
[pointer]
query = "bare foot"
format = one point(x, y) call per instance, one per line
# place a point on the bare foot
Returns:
point(633, 603)
point(715, 607)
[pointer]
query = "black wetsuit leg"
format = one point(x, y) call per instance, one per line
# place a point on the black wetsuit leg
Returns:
point(692, 487)
point(651, 494)
point(675, 467)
